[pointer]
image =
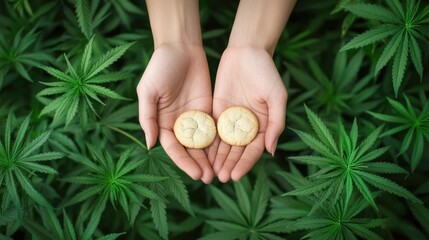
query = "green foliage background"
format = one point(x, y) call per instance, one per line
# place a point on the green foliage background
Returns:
point(352, 164)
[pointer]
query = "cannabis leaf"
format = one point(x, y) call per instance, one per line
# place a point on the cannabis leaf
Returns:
point(116, 118)
point(342, 91)
point(18, 162)
point(124, 9)
point(346, 165)
point(109, 180)
point(421, 213)
point(84, 17)
point(22, 6)
point(80, 86)
point(8, 217)
point(146, 229)
point(415, 124)
point(244, 218)
point(335, 219)
point(295, 46)
point(339, 221)
point(157, 162)
point(402, 26)
point(51, 227)
point(17, 53)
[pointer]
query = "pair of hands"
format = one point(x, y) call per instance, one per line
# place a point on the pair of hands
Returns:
point(177, 79)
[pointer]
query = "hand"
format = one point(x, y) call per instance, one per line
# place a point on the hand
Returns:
point(176, 80)
point(248, 77)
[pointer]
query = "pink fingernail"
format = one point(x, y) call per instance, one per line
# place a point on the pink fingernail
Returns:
point(274, 147)
point(147, 142)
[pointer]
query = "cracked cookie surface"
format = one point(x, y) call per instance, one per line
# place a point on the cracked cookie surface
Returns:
point(195, 129)
point(237, 126)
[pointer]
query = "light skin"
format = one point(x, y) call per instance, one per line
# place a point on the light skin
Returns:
point(177, 80)
point(248, 77)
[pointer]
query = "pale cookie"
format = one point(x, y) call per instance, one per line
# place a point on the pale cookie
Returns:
point(195, 129)
point(237, 126)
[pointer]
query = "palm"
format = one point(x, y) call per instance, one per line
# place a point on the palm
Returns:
point(247, 78)
point(176, 80)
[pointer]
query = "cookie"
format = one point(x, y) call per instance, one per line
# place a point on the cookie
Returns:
point(195, 129)
point(237, 126)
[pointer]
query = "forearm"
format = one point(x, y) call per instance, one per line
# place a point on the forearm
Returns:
point(174, 22)
point(259, 24)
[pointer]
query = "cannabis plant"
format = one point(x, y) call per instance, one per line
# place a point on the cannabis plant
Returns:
point(403, 26)
point(73, 158)
point(415, 124)
point(156, 162)
point(113, 181)
point(244, 218)
point(79, 87)
point(344, 164)
point(20, 161)
point(335, 219)
point(339, 221)
point(341, 91)
point(17, 53)
point(53, 226)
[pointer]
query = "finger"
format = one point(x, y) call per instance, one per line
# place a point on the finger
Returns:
point(276, 120)
point(232, 159)
point(221, 155)
point(179, 155)
point(250, 156)
point(200, 158)
point(212, 150)
point(148, 106)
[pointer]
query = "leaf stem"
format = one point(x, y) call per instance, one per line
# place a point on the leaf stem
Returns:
point(128, 136)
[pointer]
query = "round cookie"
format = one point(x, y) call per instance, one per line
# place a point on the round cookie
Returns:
point(237, 126)
point(195, 129)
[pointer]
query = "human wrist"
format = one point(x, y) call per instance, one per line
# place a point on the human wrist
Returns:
point(245, 46)
point(259, 24)
point(245, 50)
point(175, 22)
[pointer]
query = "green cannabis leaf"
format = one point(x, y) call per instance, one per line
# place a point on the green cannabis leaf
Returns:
point(421, 213)
point(244, 218)
point(342, 92)
point(124, 9)
point(146, 229)
point(346, 165)
point(18, 55)
point(51, 227)
point(116, 117)
point(334, 219)
point(403, 26)
point(110, 180)
point(79, 87)
point(22, 6)
point(81, 52)
point(406, 119)
point(292, 46)
point(339, 221)
point(157, 162)
point(84, 17)
point(19, 162)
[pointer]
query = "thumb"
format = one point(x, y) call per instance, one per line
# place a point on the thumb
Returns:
point(276, 120)
point(148, 113)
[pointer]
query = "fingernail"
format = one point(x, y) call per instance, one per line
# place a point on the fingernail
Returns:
point(274, 147)
point(223, 177)
point(207, 177)
point(234, 177)
point(207, 181)
point(147, 143)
